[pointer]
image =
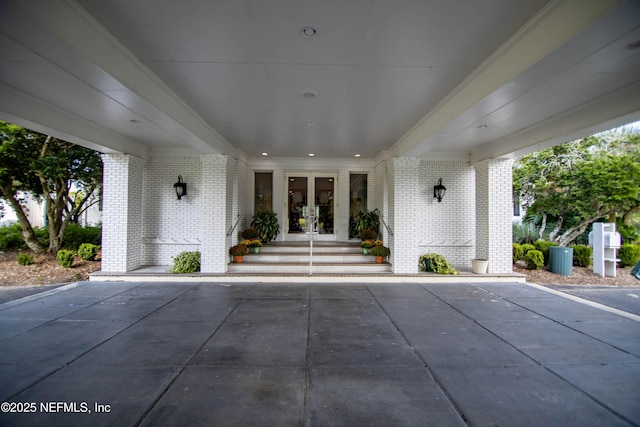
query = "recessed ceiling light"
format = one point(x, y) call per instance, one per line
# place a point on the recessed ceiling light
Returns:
point(308, 32)
point(311, 123)
point(357, 155)
point(311, 154)
point(634, 45)
point(309, 93)
point(482, 126)
point(264, 153)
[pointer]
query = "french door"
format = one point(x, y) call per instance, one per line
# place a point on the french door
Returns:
point(310, 193)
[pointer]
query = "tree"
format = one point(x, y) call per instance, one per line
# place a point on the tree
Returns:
point(578, 183)
point(46, 168)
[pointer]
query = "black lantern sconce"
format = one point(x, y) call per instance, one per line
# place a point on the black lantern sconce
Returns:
point(439, 190)
point(180, 187)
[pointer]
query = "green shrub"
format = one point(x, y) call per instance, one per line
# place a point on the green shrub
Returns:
point(88, 251)
point(65, 257)
point(11, 238)
point(518, 252)
point(629, 255)
point(543, 246)
point(526, 247)
point(186, 262)
point(435, 263)
point(582, 255)
point(75, 235)
point(534, 259)
point(25, 259)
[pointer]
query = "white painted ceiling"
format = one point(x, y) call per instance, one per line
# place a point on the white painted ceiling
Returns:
point(466, 79)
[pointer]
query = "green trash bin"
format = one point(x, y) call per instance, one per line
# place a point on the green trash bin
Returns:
point(561, 260)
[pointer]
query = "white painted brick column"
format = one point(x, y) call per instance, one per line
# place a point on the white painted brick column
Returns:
point(494, 210)
point(404, 186)
point(122, 217)
point(216, 215)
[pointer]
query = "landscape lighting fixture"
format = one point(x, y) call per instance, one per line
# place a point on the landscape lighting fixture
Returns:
point(439, 190)
point(180, 187)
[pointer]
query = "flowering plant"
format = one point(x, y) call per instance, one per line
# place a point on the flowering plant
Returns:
point(366, 244)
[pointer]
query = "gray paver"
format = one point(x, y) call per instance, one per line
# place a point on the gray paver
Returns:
point(372, 396)
point(319, 355)
point(522, 396)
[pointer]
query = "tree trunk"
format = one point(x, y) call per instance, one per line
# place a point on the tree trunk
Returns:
point(28, 234)
point(570, 234)
point(556, 229)
point(628, 216)
point(542, 226)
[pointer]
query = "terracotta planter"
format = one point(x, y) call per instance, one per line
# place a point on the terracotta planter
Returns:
point(237, 258)
point(379, 259)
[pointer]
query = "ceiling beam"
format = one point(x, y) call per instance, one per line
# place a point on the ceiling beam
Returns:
point(548, 30)
point(71, 24)
point(31, 113)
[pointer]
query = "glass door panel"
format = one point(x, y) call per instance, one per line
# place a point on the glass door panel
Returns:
point(324, 191)
point(312, 192)
point(297, 205)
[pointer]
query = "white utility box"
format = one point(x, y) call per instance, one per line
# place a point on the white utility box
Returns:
point(605, 242)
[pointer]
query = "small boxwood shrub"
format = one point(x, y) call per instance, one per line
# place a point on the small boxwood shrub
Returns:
point(186, 262)
point(582, 255)
point(518, 252)
point(25, 259)
point(526, 247)
point(543, 246)
point(88, 251)
point(65, 257)
point(434, 263)
point(534, 259)
point(629, 255)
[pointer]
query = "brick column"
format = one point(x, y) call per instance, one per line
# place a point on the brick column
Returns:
point(122, 217)
point(217, 210)
point(404, 188)
point(494, 213)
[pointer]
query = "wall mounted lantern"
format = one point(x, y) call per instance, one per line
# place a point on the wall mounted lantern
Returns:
point(180, 187)
point(439, 190)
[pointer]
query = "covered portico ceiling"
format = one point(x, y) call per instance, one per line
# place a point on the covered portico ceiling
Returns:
point(463, 79)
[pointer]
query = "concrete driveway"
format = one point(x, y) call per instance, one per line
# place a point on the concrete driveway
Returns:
point(211, 354)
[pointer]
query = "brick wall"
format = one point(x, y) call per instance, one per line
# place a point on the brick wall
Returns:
point(216, 205)
point(122, 220)
point(447, 227)
point(494, 208)
point(171, 225)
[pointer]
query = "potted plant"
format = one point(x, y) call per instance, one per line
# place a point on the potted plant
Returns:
point(380, 252)
point(363, 220)
point(250, 233)
point(368, 234)
point(254, 244)
point(366, 245)
point(266, 224)
point(237, 252)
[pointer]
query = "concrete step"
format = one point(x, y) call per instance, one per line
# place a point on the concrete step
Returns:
point(301, 268)
point(293, 258)
point(303, 258)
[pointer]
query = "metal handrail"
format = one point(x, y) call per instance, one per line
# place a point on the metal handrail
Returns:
point(386, 226)
point(234, 226)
